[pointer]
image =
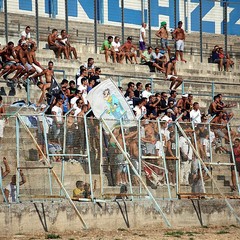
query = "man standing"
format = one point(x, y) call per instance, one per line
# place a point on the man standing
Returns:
point(179, 36)
point(162, 33)
point(142, 38)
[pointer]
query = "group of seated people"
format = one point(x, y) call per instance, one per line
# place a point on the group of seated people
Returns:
point(60, 43)
point(223, 60)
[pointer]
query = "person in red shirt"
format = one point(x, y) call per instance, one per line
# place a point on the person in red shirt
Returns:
point(236, 151)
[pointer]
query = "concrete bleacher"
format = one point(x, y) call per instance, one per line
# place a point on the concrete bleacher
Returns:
point(198, 75)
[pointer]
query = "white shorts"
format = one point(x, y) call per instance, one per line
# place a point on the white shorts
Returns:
point(2, 124)
point(171, 76)
point(38, 69)
point(179, 45)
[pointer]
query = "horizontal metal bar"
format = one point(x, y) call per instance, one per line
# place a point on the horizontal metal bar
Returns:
point(220, 164)
point(67, 155)
point(37, 167)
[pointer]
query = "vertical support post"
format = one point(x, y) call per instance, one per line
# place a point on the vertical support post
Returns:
point(6, 20)
point(213, 90)
point(28, 91)
point(142, 10)
point(125, 149)
point(178, 159)
point(64, 149)
point(199, 163)
point(95, 25)
point(151, 81)
point(175, 14)
point(45, 125)
point(37, 22)
point(183, 89)
point(119, 81)
point(149, 23)
point(18, 159)
point(140, 152)
point(225, 24)
point(101, 156)
point(88, 153)
point(66, 15)
point(164, 159)
point(185, 16)
point(122, 14)
point(200, 30)
point(210, 149)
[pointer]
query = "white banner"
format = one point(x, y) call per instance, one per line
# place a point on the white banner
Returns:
point(108, 102)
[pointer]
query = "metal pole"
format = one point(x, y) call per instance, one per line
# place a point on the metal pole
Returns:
point(122, 11)
point(125, 149)
point(6, 20)
point(95, 25)
point(164, 158)
point(175, 14)
point(101, 156)
point(225, 27)
point(18, 159)
point(28, 91)
point(37, 22)
point(142, 9)
point(88, 152)
point(200, 30)
point(66, 15)
point(149, 23)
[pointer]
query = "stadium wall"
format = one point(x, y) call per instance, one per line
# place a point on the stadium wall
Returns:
point(135, 11)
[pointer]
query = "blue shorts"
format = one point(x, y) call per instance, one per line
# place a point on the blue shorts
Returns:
point(142, 46)
point(164, 43)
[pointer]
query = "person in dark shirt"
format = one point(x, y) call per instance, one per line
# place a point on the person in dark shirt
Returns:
point(173, 95)
point(96, 76)
point(131, 87)
point(163, 104)
point(138, 91)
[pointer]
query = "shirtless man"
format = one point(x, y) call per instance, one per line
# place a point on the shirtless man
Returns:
point(127, 49)
point(9, 59)
point(48, 73)
point(65, 42)
point(179, 36)
point(53, 45)
point(171, 74)
point(213, 108)
point(162, 33)
point(31, 56)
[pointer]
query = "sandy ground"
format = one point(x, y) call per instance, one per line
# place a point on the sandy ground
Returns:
point(149, 232)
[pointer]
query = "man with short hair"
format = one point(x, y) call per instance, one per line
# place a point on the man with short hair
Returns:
point(53, 45)
point(147, 92)
point(96, 76)
point(179, 36)
point(138, 91)
point(195, 114)
point(107, 49)
point(131, 87)
point(83, 89)
point(127, 49)
point(171, 74)
point(116, 47)
point(26, 35)
point(90, 66)
point(142, 38)
point(57, 111)
point(158, 60)
point(173, 96)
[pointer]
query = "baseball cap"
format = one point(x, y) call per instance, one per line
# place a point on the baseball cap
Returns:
point(163, 23)
point(129, 38)
point(185, 95)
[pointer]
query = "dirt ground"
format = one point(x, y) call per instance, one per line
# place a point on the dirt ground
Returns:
point(149, 232)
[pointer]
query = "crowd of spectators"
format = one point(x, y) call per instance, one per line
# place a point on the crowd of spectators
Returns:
point(71, 99)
